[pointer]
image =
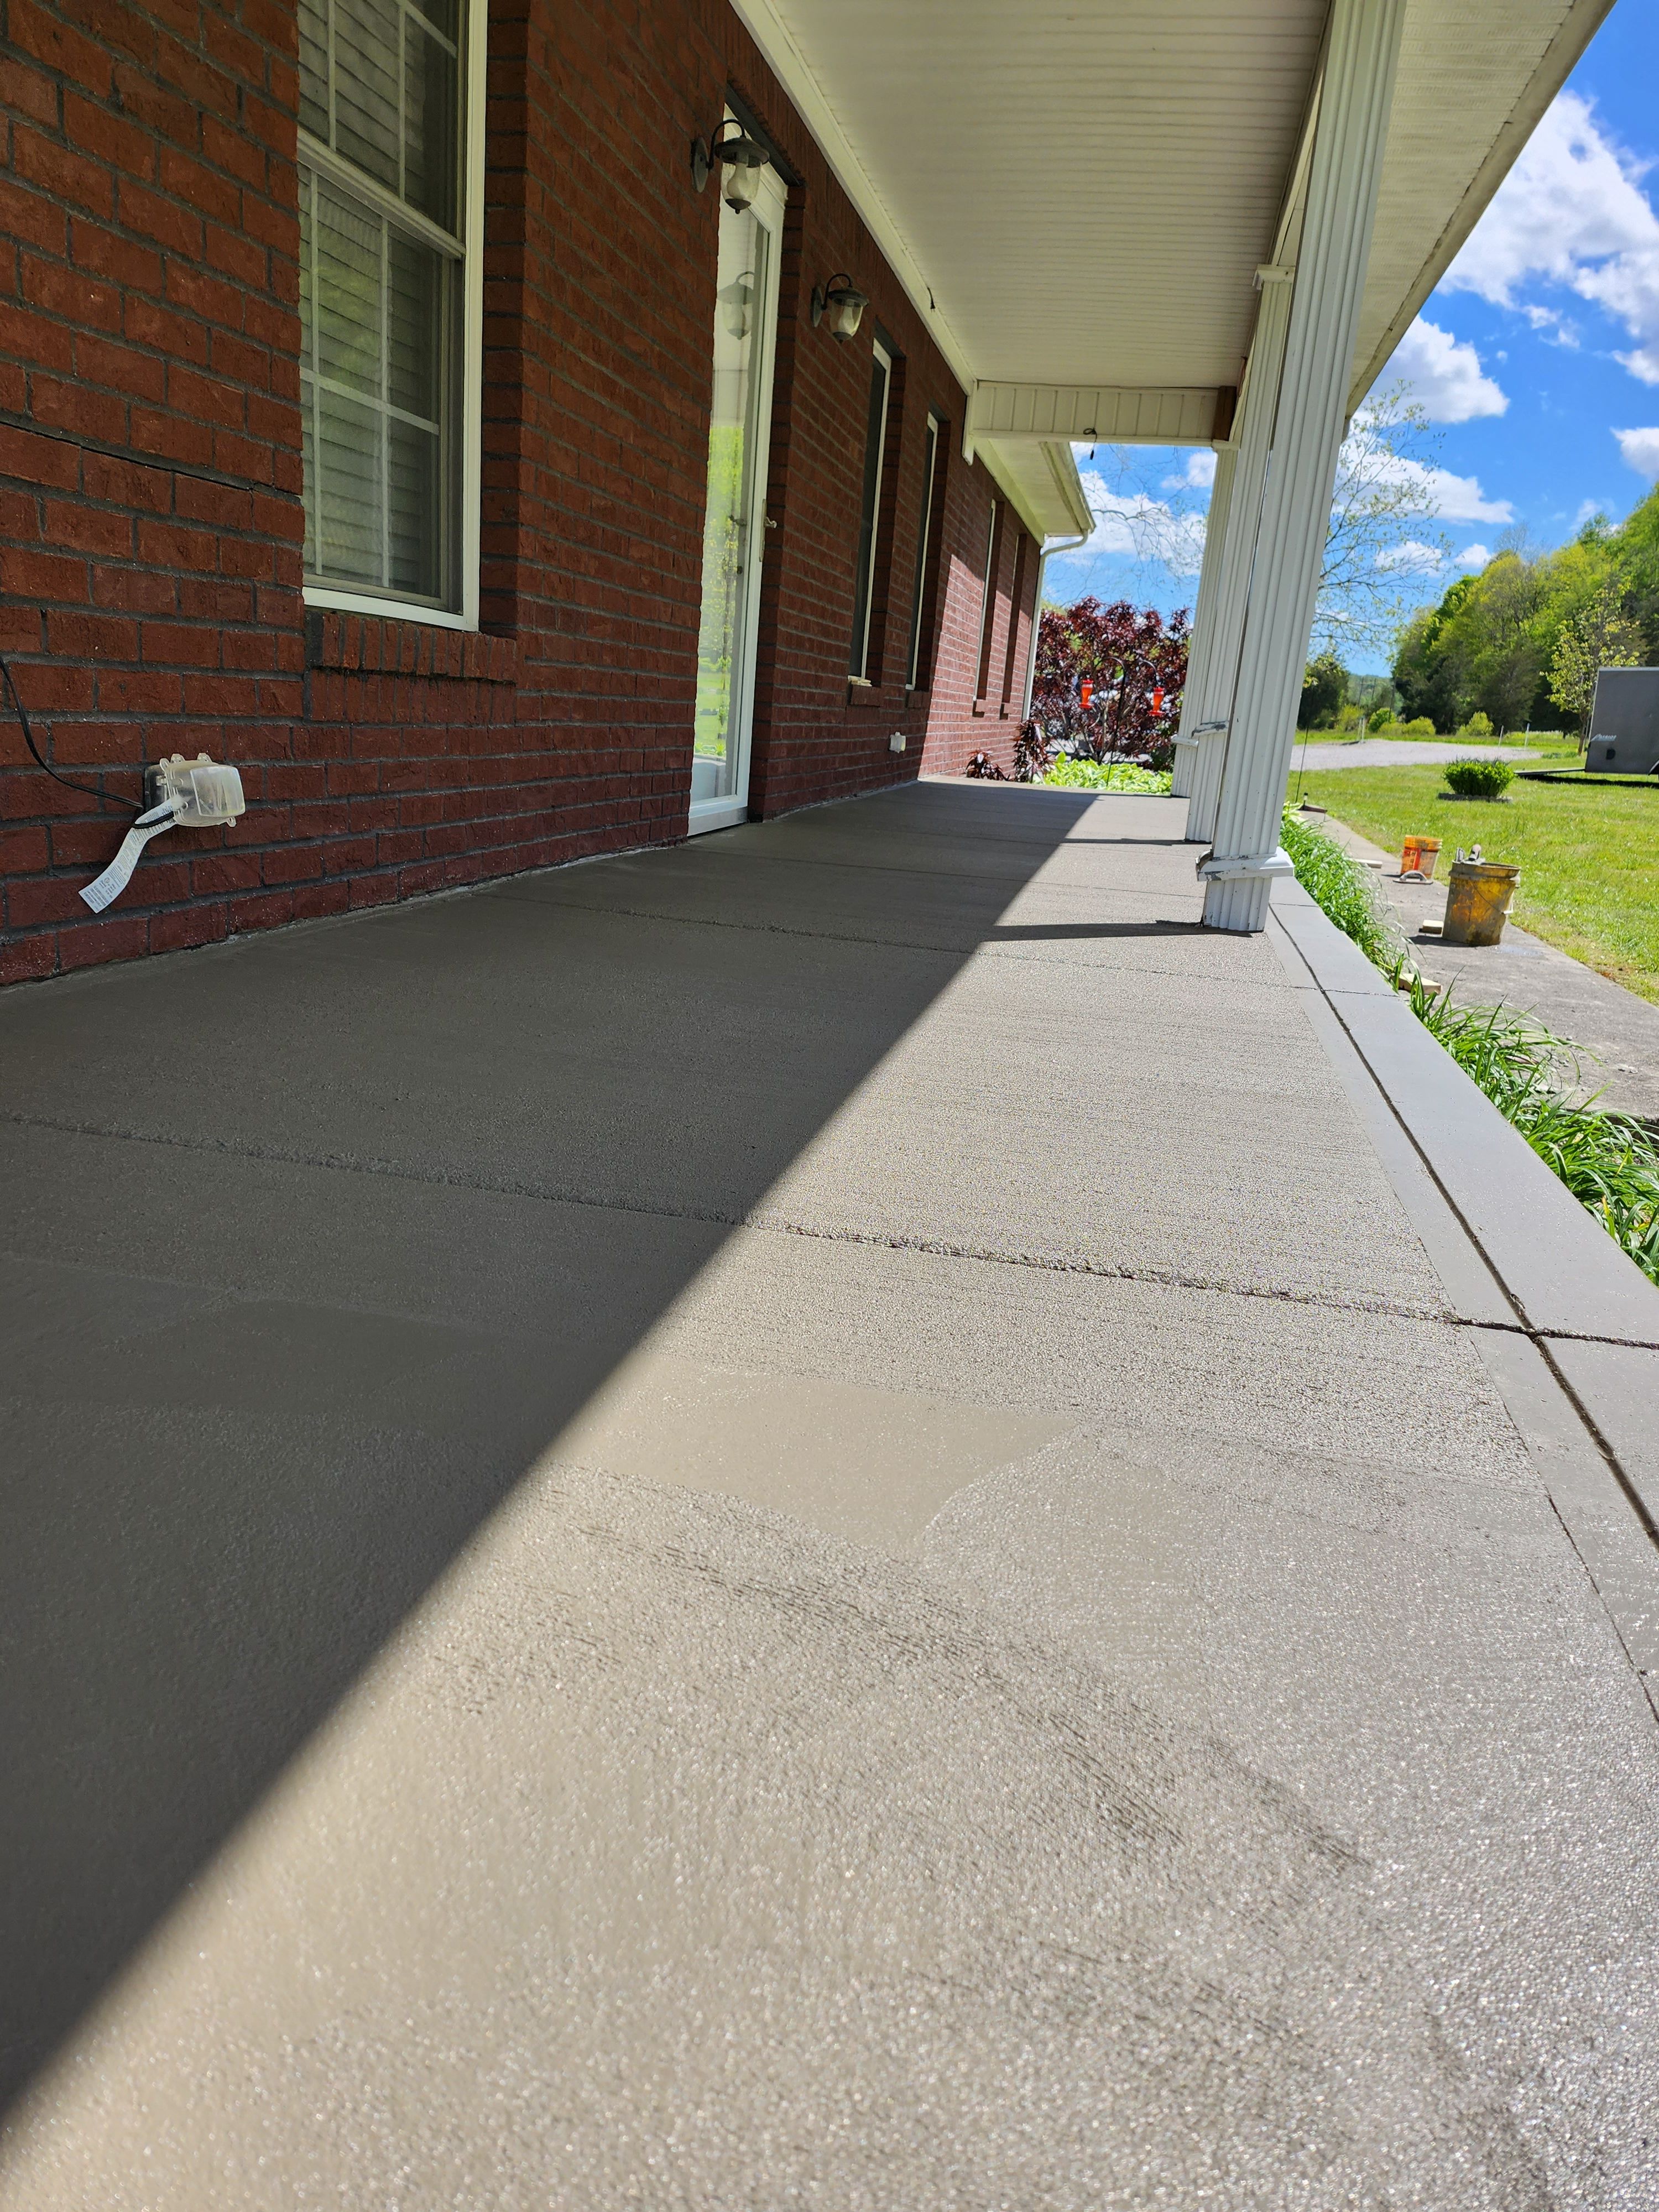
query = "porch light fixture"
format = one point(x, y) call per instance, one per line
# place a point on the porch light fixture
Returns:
point(843, 301)
point(740, 159)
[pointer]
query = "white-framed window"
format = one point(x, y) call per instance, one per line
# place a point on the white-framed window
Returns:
point(919, 596)
point(391, 297)
point(875, 447)
point(989, 599)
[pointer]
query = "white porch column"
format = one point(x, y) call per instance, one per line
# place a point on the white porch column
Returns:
point(1252, 432)
point(1198, 651)
point(1336, 237)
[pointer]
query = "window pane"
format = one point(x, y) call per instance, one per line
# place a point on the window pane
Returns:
point(349, 511)
point(874, 437)
point(313, 67)
point(378, 306)
point(307, 412)
point(414, 491)
point(429, 87)
point(728, 525)
point(308, 335)
point(348, 291)
point(366, 54)
point(919, 593)
point(415, 291)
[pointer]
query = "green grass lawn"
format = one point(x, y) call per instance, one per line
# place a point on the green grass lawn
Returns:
point(1588, 859)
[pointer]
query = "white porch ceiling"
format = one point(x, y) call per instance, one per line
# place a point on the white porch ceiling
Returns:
point(1085, 187)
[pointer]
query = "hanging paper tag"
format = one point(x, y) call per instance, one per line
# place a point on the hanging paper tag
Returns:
point(103, 889)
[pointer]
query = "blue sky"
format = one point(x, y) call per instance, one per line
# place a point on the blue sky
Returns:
point(1537, 358)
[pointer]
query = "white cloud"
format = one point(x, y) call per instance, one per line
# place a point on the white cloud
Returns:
point(1553, 327)
point(1640, 449)
point(1571, 212)
point(1587, 511)
point(1410, 554)
point(1143, 528)
point(1445, 376)
point(1199, 473)
point(1451, 498)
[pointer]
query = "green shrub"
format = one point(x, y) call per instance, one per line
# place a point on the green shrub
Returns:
point(1479, 779)
point(1381, 718)
point(1069, 775)
point(1422, 727)
point(1478, 725)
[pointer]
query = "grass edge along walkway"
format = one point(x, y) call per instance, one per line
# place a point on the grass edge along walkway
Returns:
point(1589, 853)
point(1607, 1160)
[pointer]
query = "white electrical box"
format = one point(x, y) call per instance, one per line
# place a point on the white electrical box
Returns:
point(898, 742)
point(204, 793)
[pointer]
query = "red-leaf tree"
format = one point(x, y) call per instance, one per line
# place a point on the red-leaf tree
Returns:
point(1134, 667)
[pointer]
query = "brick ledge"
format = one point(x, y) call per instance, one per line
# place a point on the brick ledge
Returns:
point(390, 645)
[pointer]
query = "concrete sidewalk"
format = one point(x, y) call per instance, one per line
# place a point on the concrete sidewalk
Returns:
point(1617, 1032)
point(830, 1517)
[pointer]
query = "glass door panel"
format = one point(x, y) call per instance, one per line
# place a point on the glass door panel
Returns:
point(734, 524)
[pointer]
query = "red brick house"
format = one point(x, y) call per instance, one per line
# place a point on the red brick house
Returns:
point(357, 428)
point(505, 430)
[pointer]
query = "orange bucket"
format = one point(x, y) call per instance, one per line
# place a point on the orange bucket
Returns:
point(1419, 854)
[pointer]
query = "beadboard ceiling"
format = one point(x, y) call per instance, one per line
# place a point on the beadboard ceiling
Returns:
point(1086, 190)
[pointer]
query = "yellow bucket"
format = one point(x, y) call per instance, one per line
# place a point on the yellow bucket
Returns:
point(1477, 904)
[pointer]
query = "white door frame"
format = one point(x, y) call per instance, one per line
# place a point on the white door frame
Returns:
point(723, 813)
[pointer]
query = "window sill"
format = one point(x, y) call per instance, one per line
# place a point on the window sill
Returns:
point(388, 645)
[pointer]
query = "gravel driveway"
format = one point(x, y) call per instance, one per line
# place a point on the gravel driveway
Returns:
point(1397, 752)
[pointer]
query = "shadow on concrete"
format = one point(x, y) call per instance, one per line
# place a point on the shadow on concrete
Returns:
point(313, 1242)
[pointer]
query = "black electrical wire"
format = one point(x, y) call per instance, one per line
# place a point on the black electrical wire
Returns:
point(91, 790)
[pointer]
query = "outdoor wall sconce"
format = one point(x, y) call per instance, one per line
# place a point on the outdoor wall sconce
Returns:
point(844, 304)
point(741, 159)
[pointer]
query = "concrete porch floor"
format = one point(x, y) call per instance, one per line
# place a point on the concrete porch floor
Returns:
point(818, 1519)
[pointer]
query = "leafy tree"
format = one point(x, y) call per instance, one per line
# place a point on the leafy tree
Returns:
point(1135, 664)
point(1324, 691)
point(1601, 634)
point(1524, 637)
point(1506, 655)
point(1383, 511)
point(1635, 549)
point(1426, 667)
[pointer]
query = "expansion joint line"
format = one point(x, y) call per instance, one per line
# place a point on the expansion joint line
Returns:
point(767, 1221)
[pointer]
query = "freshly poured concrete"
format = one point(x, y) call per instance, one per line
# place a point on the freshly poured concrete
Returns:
point(794, 1521)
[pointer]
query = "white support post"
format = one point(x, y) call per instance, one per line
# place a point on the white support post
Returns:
point(1254, 433)
point(1336, 235)
point(1199, 651)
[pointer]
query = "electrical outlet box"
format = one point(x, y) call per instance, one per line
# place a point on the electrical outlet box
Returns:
point(898, 742)
point(205, 793)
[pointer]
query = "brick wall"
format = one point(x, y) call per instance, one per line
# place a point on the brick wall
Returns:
point(150, 482)
point(149, 463)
